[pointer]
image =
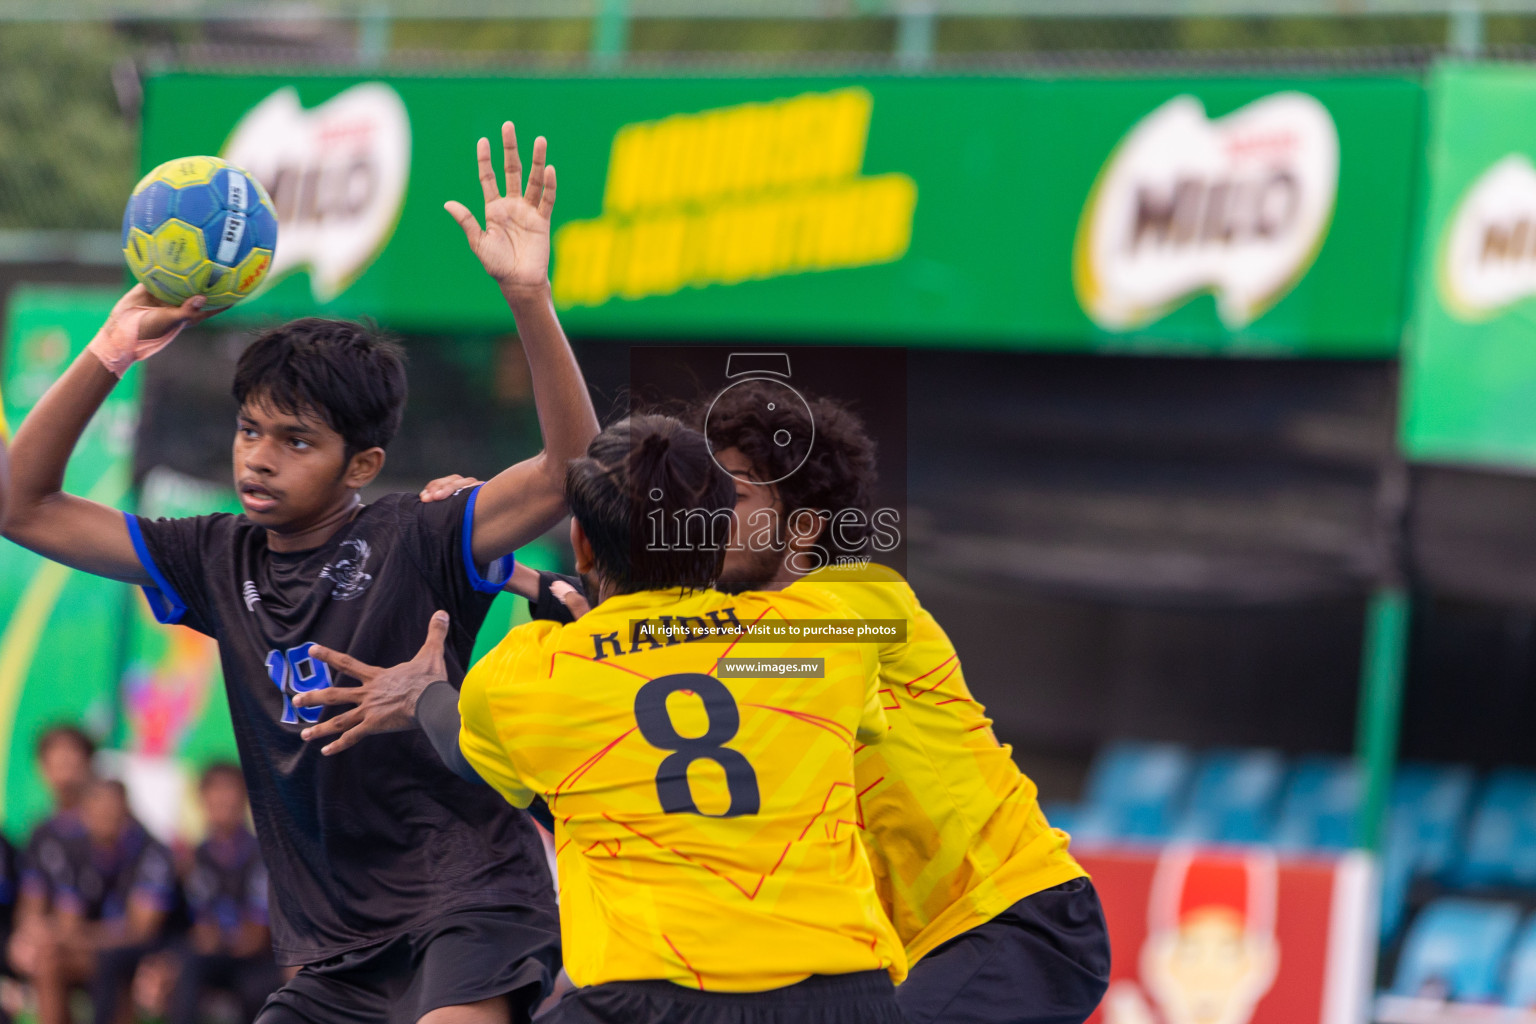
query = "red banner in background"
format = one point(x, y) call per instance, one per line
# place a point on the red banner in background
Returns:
point(1235, 936)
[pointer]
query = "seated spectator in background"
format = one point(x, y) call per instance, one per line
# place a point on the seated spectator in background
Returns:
point(229, 947)
point(10, 881)
point(112, 910)
point(64, 761)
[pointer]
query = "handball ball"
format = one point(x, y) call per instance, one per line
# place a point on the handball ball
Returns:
point(199, 226)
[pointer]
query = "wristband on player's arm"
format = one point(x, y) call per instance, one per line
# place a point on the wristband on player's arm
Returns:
point(550, 607)
point(437, 714)
point(118, 346)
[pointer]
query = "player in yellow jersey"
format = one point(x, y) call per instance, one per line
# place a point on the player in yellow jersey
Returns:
point(706, 826)
point(999, 922)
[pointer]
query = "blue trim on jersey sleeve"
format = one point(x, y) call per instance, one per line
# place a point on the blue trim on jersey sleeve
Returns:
point(166, 604)
point(500, 570)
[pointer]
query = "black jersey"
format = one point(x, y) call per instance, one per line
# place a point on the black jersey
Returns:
point(103, 880)
point(10, 883)
point(227, 886)
point(373, 842)
point(53, 851)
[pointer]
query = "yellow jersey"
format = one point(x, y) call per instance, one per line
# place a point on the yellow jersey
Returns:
point(706, 829)
point(954, 829)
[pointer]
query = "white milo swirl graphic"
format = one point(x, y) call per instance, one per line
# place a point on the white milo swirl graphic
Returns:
point(337, 175)
point(1238, 206)
point(1488, 255)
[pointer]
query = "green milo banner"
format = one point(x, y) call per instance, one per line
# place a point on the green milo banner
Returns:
point(1470, 363)
point(1200, 215)
point(60, 630)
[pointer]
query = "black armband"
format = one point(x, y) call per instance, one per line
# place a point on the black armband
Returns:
point(550, 607)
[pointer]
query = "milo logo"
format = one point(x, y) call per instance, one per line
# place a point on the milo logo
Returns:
point(337, 176)
point(1237, 206)
point(1487, 258)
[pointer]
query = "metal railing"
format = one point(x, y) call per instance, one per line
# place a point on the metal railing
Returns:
point(914, 38)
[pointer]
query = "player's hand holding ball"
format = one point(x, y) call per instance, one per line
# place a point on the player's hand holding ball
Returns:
point(141, 325)
point(514, 245)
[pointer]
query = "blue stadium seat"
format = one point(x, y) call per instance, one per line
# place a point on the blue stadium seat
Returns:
point(1234, 797)
point(1397, 873)
point(1429, 808)
point(1520, 981)
point(1320, 804)
point(1456, 949)
point(1501, 845)
point(1093, 826)
point(1426, 819)
point(1134, 791)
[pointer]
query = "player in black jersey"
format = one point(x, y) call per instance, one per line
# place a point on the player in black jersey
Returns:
point(405, 892)
point(64, 762)
point(114, 904)
point(64, 756)
point(230, 944)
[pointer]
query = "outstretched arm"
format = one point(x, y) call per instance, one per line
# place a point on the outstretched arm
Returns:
point(525, 500)
point(413, 694)
point(39, 515)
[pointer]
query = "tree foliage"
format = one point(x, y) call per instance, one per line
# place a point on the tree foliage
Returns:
point(67, 154)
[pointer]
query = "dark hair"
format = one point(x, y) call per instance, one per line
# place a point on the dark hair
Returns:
point(838, 473)
point(65, 733)
point(644, 473)
point(345, 373)
point(220, 769)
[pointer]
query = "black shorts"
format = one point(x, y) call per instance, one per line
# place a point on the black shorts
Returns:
point(465, 956)
point(863, 998)
point(1044, 960)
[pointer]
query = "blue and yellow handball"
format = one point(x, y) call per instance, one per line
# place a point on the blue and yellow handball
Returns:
point(199, 225)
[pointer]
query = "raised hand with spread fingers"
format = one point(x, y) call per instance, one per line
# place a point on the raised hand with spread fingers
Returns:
point(514, 244)
point(386, 697)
